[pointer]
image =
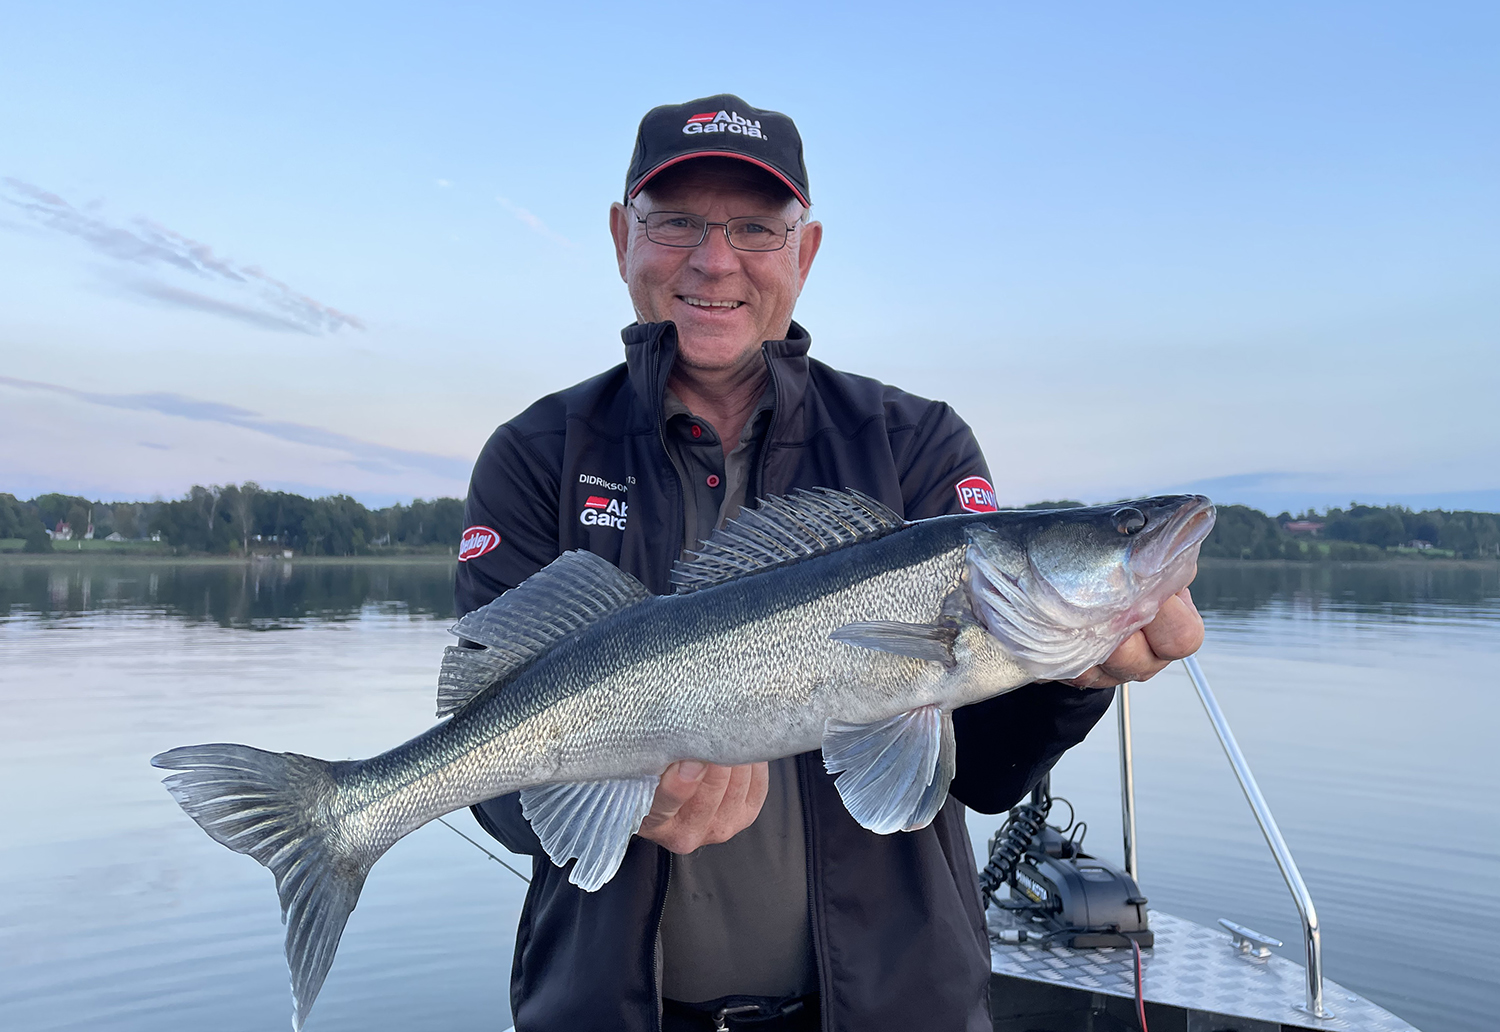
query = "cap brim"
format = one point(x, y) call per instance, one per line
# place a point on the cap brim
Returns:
point(796, 192)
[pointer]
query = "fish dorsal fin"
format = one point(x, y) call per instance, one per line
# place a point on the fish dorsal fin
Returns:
point(565, 596)
point(784, 530)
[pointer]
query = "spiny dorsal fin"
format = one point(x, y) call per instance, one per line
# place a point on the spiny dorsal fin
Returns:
point(566, 595)
point(783, 530)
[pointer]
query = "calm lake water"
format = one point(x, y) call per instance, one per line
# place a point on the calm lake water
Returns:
point(1365, 698)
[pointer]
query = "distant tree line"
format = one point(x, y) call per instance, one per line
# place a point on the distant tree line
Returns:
point(225, 519)
point(1359, 532)
point(244, 518)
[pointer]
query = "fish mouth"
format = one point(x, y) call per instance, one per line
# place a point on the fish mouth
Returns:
point(1176, 545)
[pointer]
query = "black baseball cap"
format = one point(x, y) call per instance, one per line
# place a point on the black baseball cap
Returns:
point(717, 127)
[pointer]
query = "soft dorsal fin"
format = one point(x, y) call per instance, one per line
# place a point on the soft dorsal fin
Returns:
point(566, 595)
point(783, 530)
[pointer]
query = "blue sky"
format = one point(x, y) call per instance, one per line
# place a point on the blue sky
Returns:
point(330, 247)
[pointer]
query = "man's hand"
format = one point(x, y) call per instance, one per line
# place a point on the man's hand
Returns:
point(1176, 633)
point(698, 804)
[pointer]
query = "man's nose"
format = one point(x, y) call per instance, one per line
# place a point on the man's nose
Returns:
point(714, 254)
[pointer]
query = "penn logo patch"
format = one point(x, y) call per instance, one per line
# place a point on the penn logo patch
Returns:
point(976, 495)
point(476, 542)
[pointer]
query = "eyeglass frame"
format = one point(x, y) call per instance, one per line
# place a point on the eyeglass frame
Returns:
point(707, 225)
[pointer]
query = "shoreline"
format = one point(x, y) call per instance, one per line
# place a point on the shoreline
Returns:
point(101, 557)
point(1408, 561)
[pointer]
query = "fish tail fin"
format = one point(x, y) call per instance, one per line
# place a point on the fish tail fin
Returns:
point(275, 807)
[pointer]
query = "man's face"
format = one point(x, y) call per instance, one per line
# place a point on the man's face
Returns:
point(725, 302)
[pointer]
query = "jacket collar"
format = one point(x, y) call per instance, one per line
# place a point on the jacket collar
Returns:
point(651, 350)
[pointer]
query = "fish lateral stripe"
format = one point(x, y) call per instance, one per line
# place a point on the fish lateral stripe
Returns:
point(976, 495)
point(477, 541)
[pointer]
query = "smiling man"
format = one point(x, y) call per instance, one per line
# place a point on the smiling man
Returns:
point(750, 898)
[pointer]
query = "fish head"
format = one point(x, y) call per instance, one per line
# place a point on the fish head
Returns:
point(1061, 589)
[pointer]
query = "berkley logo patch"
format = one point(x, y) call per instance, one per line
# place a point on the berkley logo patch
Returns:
point(723, 122)
point(477, 541)
point(599, 511)
point(976, 495)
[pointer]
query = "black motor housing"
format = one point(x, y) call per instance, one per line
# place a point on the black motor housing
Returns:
point(1084, 901)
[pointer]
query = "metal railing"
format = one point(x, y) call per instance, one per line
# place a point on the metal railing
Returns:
point(1311, 934)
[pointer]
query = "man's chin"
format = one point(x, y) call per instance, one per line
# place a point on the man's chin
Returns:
point(716, 352)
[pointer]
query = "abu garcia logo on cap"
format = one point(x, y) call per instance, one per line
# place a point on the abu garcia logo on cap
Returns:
point(723, 122)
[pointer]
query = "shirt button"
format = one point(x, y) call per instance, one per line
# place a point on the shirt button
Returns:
point(697, 430)
point(713, 480)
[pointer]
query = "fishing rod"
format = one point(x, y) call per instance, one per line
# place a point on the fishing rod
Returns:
point(486, 852)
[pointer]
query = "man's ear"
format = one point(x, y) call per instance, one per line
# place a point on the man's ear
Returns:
point(619, 228)
point(807, 250)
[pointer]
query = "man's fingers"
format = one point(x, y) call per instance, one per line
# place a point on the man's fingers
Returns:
point(677, 785)
point(742, 802)
point(1177, 630)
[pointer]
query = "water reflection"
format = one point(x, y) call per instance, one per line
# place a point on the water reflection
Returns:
point(268, 594)
point(258, 595)
point(1381, 588)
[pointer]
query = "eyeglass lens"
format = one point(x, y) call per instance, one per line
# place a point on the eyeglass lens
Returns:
point(746, 233)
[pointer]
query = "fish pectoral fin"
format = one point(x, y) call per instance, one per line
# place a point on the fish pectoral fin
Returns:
point(893, 775)
point(932, 641)
point(590, 821)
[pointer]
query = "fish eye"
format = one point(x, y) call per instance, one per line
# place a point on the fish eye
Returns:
point(1129, 520)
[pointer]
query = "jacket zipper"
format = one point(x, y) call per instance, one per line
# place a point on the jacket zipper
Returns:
point(656, 959)
point(765, 445)
point(824, 1019)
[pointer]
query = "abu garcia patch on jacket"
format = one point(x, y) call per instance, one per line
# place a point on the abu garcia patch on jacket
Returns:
point(602, 511)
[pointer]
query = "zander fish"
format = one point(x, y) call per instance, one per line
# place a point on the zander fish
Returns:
point(819, 620)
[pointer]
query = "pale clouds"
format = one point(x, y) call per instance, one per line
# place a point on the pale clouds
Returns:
point(350, 451)
point(533, 222)
point(254, 297)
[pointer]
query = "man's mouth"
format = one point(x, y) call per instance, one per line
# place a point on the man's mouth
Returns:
point(701, 302)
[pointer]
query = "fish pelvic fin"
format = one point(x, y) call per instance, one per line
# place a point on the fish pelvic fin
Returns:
point(271, 806)
point(783, 530)
point(893, 775)
point(568, 594)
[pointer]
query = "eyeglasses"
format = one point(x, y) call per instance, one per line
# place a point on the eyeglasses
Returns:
point(746, 233)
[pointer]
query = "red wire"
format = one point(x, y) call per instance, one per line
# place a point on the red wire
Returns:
point(1140, 996)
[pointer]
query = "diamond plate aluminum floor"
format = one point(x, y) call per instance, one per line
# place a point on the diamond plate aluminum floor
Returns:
point(1192, 967)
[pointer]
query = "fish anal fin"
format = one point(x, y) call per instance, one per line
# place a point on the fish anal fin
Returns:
point(590, 821)
point(932, 641)
point(893, 774)
point(569, 593)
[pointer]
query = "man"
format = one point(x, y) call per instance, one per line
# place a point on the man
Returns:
point(750, 898)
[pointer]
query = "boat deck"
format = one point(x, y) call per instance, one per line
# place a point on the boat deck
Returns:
point(1192, 969)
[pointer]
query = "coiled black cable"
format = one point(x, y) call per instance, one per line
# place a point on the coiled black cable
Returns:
point(1010, 844)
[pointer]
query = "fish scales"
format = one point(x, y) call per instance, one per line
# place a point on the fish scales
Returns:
point(584, 712)
point(818, 619)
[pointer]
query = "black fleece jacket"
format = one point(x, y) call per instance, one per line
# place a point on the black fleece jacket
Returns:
point(897, 928)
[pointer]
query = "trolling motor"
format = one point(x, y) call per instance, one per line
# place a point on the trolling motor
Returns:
point(1073, 899)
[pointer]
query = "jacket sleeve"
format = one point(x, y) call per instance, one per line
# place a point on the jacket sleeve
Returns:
point(1004, 744)
point(514, 493)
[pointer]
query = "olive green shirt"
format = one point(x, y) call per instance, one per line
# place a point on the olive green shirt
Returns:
point(736, 920)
